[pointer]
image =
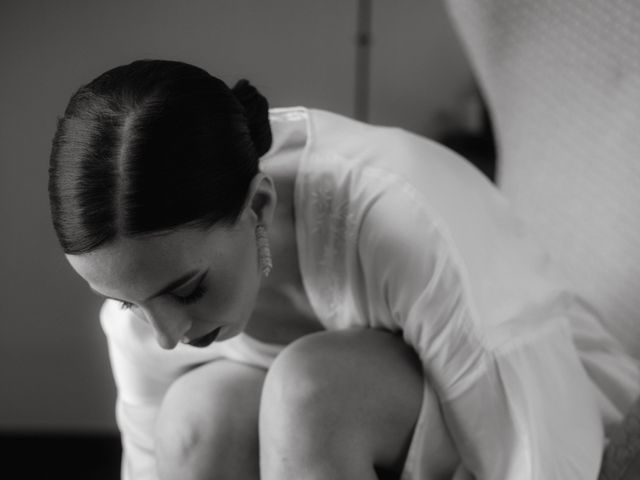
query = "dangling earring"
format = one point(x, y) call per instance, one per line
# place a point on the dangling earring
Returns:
point(264, 252)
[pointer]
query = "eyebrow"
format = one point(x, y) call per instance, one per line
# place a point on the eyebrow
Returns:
point(172, 285)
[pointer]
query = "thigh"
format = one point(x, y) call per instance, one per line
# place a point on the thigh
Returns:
point(208, 423)
point(355, 396)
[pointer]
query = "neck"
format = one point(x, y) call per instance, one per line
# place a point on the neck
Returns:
point(283, 312)
point(282, 231)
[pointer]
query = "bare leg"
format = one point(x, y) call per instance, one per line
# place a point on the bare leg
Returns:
point(208, 424)
point(343, 405)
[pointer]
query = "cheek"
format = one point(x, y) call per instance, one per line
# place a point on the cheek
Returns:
point(245, 278)
point(232, 283)
point(244, 281)
point(243, 262)
point(231, 291)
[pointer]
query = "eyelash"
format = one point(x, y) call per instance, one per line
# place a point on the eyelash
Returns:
point(126, 305)
point(193, 297)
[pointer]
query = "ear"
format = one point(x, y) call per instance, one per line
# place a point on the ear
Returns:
point(261, 199)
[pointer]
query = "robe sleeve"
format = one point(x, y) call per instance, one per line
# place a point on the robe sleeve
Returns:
point(517, 409)
point(143, 372)
point(135, 411)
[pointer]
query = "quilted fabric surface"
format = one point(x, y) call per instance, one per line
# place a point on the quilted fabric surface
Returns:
point(562, 79)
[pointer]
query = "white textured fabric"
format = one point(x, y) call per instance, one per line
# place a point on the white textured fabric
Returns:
point(396, 232)
point(562, 79)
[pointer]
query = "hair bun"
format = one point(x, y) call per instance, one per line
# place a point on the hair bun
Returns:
point(256, 110)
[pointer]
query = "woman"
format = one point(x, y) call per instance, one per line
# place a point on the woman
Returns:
point(418, 330)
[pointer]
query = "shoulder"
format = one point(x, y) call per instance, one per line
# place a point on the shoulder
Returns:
point(350, 137)
point(338, 143)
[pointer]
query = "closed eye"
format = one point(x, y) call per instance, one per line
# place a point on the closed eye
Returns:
point(193, 297)
point(197, 293)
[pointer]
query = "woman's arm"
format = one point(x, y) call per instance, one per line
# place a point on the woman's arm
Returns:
point(139, 396)
point(514, 395)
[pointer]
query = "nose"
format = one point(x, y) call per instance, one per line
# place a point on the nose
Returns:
point(170, 327)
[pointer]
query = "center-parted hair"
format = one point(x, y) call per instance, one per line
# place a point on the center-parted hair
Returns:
point(151, 147)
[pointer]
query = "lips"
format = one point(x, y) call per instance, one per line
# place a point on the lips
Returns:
point(205, 340)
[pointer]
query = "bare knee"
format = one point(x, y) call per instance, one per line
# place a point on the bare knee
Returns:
point(339, 400)
point(208, 424)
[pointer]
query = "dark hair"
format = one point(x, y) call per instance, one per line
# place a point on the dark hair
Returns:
point(151, 147)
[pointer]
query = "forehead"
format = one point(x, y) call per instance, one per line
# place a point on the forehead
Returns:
point(136, 265)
